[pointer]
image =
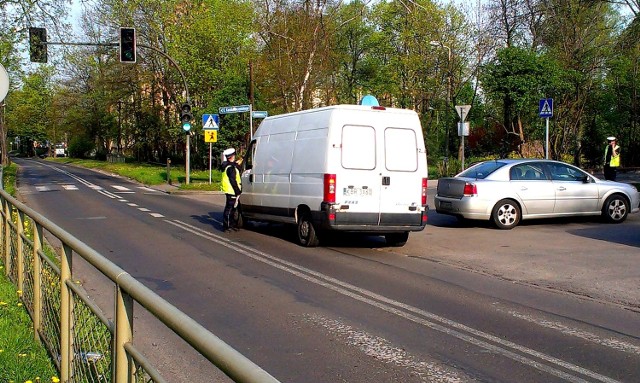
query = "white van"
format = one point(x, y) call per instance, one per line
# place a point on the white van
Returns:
point(351, 168)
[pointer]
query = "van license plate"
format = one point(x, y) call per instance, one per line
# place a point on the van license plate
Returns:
point(357, 192)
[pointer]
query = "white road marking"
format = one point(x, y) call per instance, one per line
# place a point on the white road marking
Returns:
point(381, 349)
point(586, 335)
point(121, 190)
point(516, 352)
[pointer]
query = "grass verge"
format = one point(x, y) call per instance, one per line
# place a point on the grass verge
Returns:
point(148, 174)
point(22, 357)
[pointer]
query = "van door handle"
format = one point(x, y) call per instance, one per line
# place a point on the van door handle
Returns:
point(251, 177)
point(386, 181)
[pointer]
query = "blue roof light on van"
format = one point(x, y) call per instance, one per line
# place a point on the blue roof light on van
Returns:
point(371, 101)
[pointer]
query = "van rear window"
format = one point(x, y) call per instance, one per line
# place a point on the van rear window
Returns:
point(358, 147)
point(400, 150)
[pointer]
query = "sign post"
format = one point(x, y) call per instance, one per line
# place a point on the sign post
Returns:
point(545, 109)
point(463, 128)
point(210, 125)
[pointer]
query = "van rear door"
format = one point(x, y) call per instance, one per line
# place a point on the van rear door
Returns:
point(401, 179)
point(359, 184)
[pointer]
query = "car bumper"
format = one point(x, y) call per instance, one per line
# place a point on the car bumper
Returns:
point(466, 207)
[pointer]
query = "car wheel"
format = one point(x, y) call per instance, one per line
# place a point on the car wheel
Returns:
point(615, 209)
point(397, 239)
point(506, 214)
point(306, 232)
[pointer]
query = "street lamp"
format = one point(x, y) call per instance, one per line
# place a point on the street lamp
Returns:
point(439, 44)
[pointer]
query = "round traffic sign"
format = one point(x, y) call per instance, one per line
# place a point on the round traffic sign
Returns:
point(4, 83)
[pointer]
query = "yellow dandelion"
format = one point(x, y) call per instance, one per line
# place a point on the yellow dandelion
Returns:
point(28, 381)
point(3, 303)
point(54, 379)
point(19, 292)
point(19, 304)
point(22, 355)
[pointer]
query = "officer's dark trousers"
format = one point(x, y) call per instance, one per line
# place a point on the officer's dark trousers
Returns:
point(228, 216)
point(610, 173)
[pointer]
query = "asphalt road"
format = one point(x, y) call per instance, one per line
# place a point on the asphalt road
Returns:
point(549, 301)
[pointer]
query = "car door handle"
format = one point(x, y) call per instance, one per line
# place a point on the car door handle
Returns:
point(562, 188)
point(524, 188)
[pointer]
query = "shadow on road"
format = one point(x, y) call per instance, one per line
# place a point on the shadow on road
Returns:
point(624, 234)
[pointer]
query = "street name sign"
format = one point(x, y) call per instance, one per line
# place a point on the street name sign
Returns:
point(259, 114)
point(234, 109)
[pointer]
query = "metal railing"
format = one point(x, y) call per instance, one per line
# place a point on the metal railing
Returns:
point(85, 345)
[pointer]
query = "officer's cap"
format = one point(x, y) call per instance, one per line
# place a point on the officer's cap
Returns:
point(229, 152)
point(611, 138)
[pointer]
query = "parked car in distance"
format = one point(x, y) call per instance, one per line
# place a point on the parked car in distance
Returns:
point(510, 190)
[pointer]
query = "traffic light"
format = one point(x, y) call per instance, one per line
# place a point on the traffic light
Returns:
point(186, 116)
point(127, 45)
point(38, 45)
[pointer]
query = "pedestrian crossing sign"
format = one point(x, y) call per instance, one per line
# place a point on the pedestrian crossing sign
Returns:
point(210, 121)
point(210, 135)
point(546, 108)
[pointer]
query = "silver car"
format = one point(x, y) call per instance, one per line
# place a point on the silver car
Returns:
point(507, 191)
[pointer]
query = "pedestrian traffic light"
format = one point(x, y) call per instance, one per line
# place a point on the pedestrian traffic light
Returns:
point(127, 45)
point(186, 116)
point(38, 45)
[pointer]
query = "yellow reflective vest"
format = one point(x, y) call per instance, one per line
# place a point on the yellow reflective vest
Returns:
point(615, 159)
point(225, 184)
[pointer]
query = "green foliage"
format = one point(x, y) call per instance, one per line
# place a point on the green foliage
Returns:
point(419, 55)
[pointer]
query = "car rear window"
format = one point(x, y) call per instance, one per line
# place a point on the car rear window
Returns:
point(482, 170)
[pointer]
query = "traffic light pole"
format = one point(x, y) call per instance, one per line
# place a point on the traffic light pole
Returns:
point(184, 82)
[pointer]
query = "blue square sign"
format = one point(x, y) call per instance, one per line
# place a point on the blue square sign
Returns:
point(210, 122)
point(546, 108)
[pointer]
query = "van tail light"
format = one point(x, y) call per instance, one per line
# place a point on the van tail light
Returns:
point(329, 188)
point(470, 189)
point(424, 192)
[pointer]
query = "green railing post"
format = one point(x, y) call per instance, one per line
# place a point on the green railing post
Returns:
point(123, 364)
point(65, 313)
point(20, 255)
point(37, 280)
point(6, 240)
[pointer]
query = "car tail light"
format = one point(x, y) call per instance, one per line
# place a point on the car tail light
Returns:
point(329, 188)
point(470, 189)
point(424, 192)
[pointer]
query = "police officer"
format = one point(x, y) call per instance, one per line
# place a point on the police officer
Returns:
point(611, 159)
point(231, 186)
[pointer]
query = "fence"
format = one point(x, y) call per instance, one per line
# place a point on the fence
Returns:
point(85, 345)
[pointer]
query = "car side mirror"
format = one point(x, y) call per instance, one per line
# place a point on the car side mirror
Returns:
point(586, 179)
